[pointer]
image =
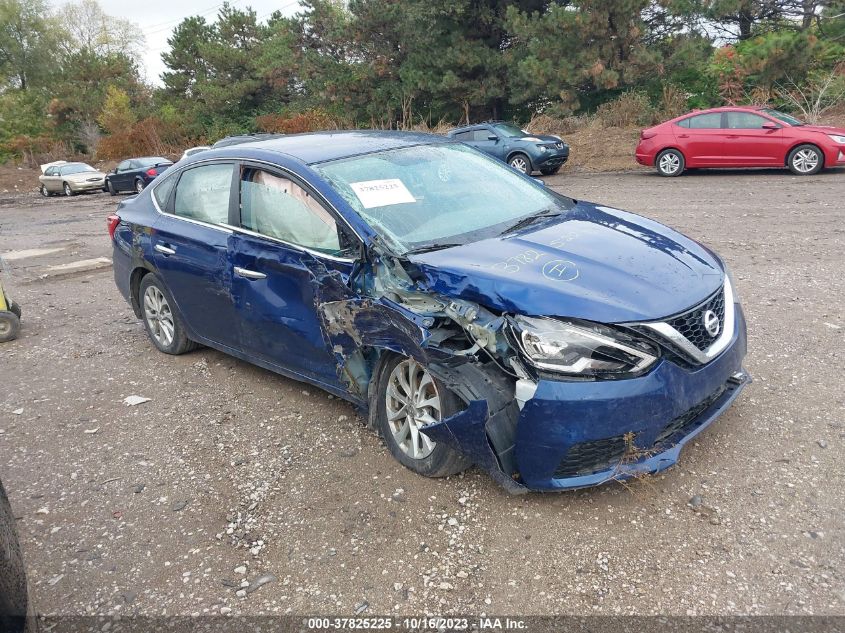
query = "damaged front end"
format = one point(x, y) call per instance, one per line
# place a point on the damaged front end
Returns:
point(528, 424)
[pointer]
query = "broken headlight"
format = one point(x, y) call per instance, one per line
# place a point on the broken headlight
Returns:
point(580, 348)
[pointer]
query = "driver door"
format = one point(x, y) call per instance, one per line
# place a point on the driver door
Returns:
point(488, 142)
point(291, 255)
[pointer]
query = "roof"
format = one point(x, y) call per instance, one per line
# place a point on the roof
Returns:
point(318, 147)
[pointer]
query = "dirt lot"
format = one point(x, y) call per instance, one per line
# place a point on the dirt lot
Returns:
point(230, 473)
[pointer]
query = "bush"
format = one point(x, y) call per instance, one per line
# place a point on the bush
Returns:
point(629, 110)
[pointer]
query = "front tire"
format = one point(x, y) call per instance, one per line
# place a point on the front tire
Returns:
point(110, 188)
point(670, 163)
point(161, 321)
point(805, 160)
point(521, 163)
point(411, 398)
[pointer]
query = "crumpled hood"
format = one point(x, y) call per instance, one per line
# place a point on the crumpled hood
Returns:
point(592, 262)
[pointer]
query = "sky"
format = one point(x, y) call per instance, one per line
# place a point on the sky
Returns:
point(158, 18)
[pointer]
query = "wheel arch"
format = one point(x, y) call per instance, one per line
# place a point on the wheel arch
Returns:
point(135, 277)
point(523, 153)
point(797, 144)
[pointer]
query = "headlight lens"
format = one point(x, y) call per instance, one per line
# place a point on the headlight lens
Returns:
point(837, 138)
point(580, 348)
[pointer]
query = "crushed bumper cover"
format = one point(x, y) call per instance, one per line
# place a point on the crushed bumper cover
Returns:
point(579, 434)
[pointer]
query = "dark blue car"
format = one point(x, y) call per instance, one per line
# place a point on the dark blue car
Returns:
point(134, 174)
point(521, 150)
point(476, 315)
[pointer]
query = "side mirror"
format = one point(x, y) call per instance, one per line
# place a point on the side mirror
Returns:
point(770, 126)
point(492, 137)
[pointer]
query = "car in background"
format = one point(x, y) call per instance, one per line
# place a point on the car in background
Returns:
point(194, 150)
point(521, 150)
point(479, 316)
point(134, 174)
point(740, 137)
point(70, 179)
point(237, 139)
point(15, 607)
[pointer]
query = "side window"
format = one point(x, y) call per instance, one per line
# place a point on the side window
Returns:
point(482, 134)
point(710, 121)
point(683, 123)
point(162, 190)
point(202, 193)
point(51, 171)
point(745, 121)
point(278, 207)
point(123, 166)
point(133, 164)
point(463, 136)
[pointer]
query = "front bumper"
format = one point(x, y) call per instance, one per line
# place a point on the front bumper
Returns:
point(549, 160)
point(575, 434)
point(93, 185)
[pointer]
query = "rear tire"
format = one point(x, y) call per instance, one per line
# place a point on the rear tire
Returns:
point(162, 322)
point(43, 191)
point(10, 326)
point(670, 163)
point(805, 160)
point(139, 186)
point(68, 190)
point(432, 460)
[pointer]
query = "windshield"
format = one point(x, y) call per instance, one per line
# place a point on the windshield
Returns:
point(783, 117)
point(76, 168)
point(511, 131)
point(427, 195)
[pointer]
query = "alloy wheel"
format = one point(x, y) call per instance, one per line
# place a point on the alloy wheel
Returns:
point(159, 316)
point(139, 186)
point(412, 402)
point(519, 164)
point(669, 163)
point(805, 160)
point(44, 191)
point(68, 191)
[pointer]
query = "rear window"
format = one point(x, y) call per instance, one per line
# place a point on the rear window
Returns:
point(712, 120)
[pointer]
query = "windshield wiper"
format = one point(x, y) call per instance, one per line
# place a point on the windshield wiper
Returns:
point(430, 247)
point(530, 219)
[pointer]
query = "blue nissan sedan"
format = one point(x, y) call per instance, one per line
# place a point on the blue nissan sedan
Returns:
point(476, 316)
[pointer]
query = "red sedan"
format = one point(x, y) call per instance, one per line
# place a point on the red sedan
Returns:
point(740, 137)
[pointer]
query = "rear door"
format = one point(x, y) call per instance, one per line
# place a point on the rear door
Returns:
point(51, 180)
point(702, 139)
point(191, 242)
point(290, 251)
point(749, 144)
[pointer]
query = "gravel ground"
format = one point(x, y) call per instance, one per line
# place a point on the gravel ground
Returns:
point(233, 490)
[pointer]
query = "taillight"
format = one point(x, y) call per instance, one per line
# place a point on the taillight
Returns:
point(646, 134)
point(112, 221)
point(152, 172)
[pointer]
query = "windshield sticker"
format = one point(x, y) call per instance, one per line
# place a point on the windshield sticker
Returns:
point(381, 193)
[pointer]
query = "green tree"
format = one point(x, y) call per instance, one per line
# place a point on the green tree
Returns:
point(29, 40)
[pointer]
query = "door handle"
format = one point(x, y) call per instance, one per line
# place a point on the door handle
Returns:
point(249, 274)
point(733, 136)
point(683, 135)
point(164, 249)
